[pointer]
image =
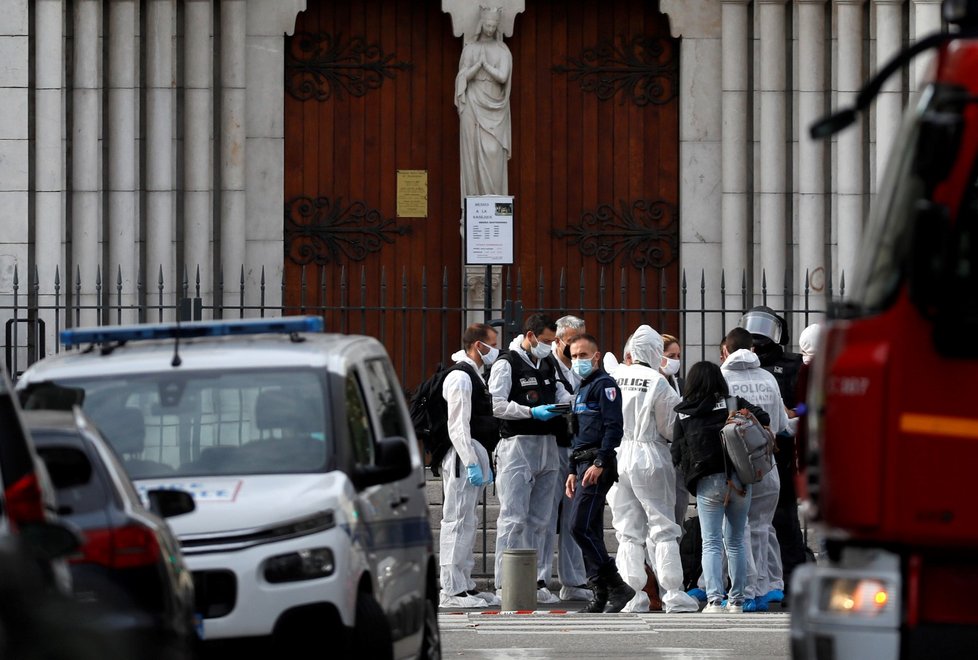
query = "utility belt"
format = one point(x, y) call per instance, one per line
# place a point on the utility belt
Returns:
point(584, 455)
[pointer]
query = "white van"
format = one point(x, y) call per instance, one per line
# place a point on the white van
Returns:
point(311, 521)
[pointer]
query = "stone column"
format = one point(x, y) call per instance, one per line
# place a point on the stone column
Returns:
point(849, 145)
point(198, 143)
point(49, 164)
point(160, 208)
point(234, 14)
point(772, 180)
point(735, 99)
point(121, 185)
point(889, 103)
point(926, 21)
point(86, 162)
point(811, 154)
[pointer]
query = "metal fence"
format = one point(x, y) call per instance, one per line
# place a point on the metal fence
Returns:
point(33, 318)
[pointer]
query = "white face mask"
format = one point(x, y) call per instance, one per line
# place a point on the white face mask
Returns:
point(490, 357)
point(670, 366)
point(540, 351)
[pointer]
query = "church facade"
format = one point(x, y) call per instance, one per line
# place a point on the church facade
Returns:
point(275, 154)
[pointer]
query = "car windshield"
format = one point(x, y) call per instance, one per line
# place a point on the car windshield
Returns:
point(268, 421)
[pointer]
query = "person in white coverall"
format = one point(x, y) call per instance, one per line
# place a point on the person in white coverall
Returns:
point(466, 469)
point(643, 502)
point(524, 387)
point(570, 562)
point(746, 379)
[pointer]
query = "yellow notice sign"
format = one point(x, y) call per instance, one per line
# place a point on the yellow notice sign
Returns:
point(412, 193)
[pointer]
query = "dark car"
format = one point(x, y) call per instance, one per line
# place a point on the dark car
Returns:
point(130, 562)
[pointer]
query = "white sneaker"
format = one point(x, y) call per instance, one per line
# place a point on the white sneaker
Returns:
point(714, 607)
point(461, 601)
point(491, 599)
point(731, 608)
point(544, 595)
point(575, 593)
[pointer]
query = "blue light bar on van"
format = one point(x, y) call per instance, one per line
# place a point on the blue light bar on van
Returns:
point(125, 333)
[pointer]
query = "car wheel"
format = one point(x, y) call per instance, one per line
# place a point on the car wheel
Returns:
point(431, 642)
point(371, 632)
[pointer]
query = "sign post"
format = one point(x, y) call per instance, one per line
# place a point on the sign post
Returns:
point(489, 236)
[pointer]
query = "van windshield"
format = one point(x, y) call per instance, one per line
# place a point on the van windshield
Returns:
point(268, 421)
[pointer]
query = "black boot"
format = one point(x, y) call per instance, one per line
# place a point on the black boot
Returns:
point(599, 597)
point(619, 593)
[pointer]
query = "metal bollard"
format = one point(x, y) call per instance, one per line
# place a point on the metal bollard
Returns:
point(519, 580)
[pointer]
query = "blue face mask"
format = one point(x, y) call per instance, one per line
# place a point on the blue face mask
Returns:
point(582, 367)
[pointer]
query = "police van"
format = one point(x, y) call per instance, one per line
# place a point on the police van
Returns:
point(311, 522)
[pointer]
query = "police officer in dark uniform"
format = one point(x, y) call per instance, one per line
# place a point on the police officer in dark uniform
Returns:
point(770, 333)
point(597, 411)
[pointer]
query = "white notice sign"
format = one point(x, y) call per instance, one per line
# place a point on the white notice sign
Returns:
point(489, 230)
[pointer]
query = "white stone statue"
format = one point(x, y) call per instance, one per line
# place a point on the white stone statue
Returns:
point(482, 97)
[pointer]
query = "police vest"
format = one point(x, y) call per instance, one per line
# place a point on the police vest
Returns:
point(483, 426)
point(532, 386)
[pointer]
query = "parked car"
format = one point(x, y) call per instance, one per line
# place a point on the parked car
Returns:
point(130, 563)
point(311, 524)
point(28, 498)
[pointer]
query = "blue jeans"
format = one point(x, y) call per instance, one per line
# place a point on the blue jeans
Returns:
point(711, 491)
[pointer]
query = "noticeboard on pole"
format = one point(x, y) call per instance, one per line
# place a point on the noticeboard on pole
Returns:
point(489, 230)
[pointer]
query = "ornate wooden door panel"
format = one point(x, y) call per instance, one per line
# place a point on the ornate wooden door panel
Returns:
point(594, 169)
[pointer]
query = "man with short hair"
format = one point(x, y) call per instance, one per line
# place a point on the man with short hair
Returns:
point(466, 469)
point(524, 388)
point(743, 372)
point(570, 563)
point(598, 413)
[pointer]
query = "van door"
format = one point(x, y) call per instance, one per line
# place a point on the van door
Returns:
point(407, 538)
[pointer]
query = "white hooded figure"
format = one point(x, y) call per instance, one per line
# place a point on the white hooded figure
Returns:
point(644, 499)
point(746, 379)
point(808, 342)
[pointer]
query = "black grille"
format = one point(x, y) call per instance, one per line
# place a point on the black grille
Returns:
point(215, 593)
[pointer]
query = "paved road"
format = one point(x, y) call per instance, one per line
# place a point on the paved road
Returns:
point(585, 636)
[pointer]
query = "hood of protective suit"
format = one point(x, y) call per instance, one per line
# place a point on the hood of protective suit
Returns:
point(742, 359)
point(646, 346)
point(515, 344)
point(808, 341)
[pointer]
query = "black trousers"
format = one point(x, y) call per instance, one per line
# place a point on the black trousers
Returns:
point(785, 522)
point(587, 515)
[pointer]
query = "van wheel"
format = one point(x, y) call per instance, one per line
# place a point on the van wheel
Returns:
point(371, 632)
point(431, 642)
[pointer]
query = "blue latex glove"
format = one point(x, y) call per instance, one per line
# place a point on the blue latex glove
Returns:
point(475, 474)
point(800, 410)
point(543, 413)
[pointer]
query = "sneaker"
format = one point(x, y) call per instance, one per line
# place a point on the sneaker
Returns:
point(491, 599)
point(698, 594)
point(580, 592)
point(544, 595)
point(774, 596)
point(735, 607)
point(461, 600)
point(713, 607)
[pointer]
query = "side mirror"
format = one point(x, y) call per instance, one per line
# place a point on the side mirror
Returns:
point(938, 144)
point(50, 540)
point(167, 503)
point(393, 464)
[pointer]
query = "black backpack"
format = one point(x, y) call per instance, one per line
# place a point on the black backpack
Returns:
point(429, 415)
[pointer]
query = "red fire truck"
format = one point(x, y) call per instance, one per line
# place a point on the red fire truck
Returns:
point(892, 461)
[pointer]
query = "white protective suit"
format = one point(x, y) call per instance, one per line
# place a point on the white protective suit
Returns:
point(460, 517)
point(527, 472)
point(643, 502)
point(570, 561)
point(748, 380)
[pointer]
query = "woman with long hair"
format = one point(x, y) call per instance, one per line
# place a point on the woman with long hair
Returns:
point(698, 452)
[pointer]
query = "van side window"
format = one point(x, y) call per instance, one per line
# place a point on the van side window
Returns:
point(356, 416)
point(382, 396)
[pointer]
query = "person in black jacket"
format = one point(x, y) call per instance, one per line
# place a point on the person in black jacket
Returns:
point(698, 452)
point(599, 429)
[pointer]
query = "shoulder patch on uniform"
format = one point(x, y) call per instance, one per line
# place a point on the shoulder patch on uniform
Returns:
point(611, 393)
